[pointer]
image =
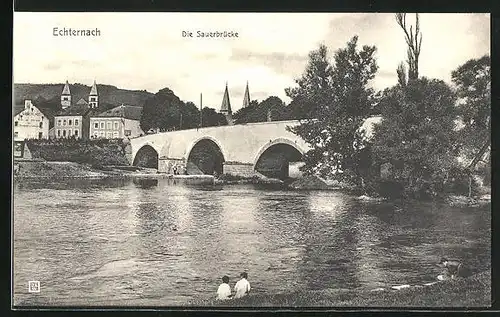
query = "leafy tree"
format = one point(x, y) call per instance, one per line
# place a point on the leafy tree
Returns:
point(212, 118)
point(340, 100)
point(313, 86)
point(163, 111)
point(473, 86)
point(416, 135)
point(271, 108)
point(190, 116)
point(244, 115)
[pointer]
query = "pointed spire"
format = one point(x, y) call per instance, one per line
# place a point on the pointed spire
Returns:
point(93, 90)
point(226, 104)
point(66, 89)
point(246, 98)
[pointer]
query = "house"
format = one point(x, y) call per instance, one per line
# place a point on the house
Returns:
point(74, 118)
point(120, 122)
point(29, 122)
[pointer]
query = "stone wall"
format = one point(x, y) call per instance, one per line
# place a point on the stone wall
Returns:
point(239, 169)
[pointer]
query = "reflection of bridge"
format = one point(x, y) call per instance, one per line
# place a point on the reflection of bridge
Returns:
point(265, 148)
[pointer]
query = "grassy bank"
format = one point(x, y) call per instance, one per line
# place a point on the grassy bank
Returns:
point(474, 291)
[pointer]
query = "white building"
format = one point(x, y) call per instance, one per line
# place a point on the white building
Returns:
point(119, 122)
point(30, 122)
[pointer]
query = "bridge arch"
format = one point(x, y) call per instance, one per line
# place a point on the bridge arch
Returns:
point(146, 156)
point(273, 158)
point(205, 155)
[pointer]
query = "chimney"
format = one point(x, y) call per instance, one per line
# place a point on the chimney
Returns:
point(27, 104)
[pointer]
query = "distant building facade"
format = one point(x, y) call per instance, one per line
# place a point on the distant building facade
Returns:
point(30, 122)
point(120, 122)
point(74, 120)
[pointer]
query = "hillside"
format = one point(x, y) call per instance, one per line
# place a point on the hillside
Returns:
point(107, 94)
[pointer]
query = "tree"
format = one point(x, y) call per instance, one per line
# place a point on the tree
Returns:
point(416, 135)
point(312, 86)
point(212, 118)
point(190, 116)
point(271, 108)
point(413, 42)
point(163, 111)
point(473, 86)
point(341, 100)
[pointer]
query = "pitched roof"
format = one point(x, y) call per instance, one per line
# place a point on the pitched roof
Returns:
point(226, 104)
point(93, 90)
point(246, 98)
point(18, 108)
point(123, 111)
point(66, 89)
point(82, 102)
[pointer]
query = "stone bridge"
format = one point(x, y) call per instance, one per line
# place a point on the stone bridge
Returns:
point(265, 148)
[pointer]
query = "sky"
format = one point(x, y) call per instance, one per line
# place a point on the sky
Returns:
point(147, 50)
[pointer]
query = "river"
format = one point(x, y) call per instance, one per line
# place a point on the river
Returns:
point(164, 243)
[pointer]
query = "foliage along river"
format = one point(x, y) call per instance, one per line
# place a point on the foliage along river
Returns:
point(156, 243)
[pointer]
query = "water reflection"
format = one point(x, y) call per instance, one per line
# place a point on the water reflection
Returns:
point(163, 243)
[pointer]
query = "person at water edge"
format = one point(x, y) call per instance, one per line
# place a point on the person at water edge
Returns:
point(454, 269)
point(242, 287)
point(224, 290)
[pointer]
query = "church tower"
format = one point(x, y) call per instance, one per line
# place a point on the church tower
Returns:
point(93, 97)
point(246, 98)
point(225, 108)
point(66, 96)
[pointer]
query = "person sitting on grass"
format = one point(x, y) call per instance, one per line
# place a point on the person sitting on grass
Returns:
point(224, 290)
point(242, 287)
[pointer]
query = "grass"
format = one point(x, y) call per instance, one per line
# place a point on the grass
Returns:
point(474, 291)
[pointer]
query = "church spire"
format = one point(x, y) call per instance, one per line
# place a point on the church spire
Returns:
point(66, 91)
point(66, 96)
point(93, 97)
point(246, 98)
point(225, 108)
point(93, 90)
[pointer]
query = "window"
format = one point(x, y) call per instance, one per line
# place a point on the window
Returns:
point(128, 132)
point(96, 134)
point(58, 132)
point(115, 134)
point(65, 98)
point(16, 134)
point(116, 125)
point(70, 122)
point(59, 122)
point(76, 121)
point(64, 133)
point(109, 125)
point(41, 124)
point(92, 98)
point(109, 135)
point(64, 122)
point(102, 134)
point(15, 124)
point(96, 125)
point(40, 135)
point(76, 132)
point(102, 125)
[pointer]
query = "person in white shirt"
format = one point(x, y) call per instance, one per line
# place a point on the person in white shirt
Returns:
point(242, 287)
point(224, 290)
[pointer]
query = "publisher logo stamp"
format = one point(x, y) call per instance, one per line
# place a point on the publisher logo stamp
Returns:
point(34, 286)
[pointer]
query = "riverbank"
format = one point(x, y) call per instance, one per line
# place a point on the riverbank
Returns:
point(36, 169)
point(474, 291)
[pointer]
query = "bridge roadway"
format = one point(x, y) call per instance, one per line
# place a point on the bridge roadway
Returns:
point(243, 149)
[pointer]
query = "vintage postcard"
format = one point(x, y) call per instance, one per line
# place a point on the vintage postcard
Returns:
point(251, 160)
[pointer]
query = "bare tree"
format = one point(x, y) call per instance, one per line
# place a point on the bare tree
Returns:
point(414, 43)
